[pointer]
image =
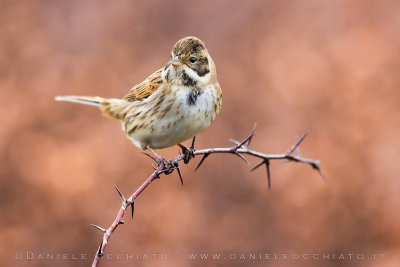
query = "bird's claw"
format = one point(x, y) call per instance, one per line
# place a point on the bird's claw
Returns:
point(188, 152)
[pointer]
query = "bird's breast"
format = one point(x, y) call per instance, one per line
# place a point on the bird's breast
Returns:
point(174, 116)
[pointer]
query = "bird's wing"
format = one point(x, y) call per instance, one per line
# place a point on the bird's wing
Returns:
point(145, 88)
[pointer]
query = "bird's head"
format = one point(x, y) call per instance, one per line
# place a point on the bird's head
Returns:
point(190, 63)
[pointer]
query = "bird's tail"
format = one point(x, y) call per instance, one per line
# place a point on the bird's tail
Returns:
point(87, 100)
point(112, 107)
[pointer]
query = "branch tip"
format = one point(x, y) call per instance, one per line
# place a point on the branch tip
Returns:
point(315, 166)
point(253, 132)
point(322, 174)
point(254, 127)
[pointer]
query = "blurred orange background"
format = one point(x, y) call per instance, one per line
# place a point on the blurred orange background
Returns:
point(329, 68)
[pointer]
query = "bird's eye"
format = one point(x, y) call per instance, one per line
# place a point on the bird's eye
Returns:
point(193, 60)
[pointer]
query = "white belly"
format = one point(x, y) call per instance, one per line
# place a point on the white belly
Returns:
point(184, 120)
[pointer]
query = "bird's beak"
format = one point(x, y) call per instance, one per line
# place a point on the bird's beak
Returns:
point(174, 62)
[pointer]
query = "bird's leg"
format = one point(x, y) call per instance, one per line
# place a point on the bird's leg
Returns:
point(155, 153)
point(188, 151)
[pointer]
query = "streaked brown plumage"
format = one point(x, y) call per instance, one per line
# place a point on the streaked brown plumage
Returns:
point(173, 104)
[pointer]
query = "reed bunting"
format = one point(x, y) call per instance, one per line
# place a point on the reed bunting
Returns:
point(172, 105)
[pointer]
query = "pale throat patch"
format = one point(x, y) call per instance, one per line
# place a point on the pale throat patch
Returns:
point(196, 77)
point(170, 73)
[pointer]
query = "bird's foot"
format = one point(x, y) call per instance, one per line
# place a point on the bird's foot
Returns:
point(188, 151)
point(161, 161)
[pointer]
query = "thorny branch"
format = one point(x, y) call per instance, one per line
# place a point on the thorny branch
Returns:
point(166, 167)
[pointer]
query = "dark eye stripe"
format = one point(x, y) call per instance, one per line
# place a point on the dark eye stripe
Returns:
point(201, 73)
point(201, 67)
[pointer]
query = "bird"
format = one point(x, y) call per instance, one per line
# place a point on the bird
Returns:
point(172, 105)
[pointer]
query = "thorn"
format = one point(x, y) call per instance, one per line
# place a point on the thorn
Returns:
point(121, 222)
point(315, 166)
point(98, 227)
point(99, 253)
point(234, 141)
point(266, 162)
point(297, 152)
point(201, 161)
point(150, 156)
point(258, 165)
point(296, 145)
point(322, 175)
point(193, 141)
point(120, 194)
point(253, 131)
point(242, 157)
point(133, 207)
point(180, 175)
point(268, 174)
point(247, 140)
point(158, 157)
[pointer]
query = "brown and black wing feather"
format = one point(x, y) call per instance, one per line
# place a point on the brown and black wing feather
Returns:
point(145, 88)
